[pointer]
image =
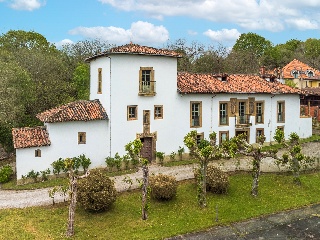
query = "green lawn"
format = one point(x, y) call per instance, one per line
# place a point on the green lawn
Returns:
point(166, 219)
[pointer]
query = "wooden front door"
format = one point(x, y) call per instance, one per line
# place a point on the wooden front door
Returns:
point(147, 150)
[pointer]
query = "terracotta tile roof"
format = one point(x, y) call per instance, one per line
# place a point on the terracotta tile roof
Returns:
point(75, 111)
point(136, 49)
point(208, 83)
point(300, 66)
point(312, 91)
point(30, 137)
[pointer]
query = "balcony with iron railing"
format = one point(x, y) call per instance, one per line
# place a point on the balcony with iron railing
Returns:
point(243, 120)
point(147, 88)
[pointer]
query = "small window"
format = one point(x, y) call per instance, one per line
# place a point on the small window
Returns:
point(158, 112)
point(81, 138)
point(280, 112)
point(37, 153)
point(259, 133)
point(200, 136)
point(132, 112)
point(281, 128)
point(99, 80)
point(223, 136)
point(223, 114)
point(195, 114)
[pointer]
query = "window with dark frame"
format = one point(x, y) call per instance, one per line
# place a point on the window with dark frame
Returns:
point(132, 112)
point(158, 112)
point(223, 114)
point(146, 81)
point(82, 138)
point(259, 112)
point(200, 136)
point(99, 80)
point(37, 153)
point(242, 112)
point(280, 111)
point(195, 114)
point(259, 133)
point(223, 136)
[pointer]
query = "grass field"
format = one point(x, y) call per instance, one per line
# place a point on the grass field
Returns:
point(178, 216)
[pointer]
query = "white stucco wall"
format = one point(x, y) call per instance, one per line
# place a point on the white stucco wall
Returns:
point(176, 107)
point(124, 91)
point(64, 143)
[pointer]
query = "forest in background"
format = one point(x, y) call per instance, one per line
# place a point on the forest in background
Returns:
point(35, 75)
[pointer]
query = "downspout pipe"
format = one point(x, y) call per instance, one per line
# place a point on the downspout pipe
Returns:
point(110, 118)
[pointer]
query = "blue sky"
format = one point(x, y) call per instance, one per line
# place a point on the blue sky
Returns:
point(155, 22)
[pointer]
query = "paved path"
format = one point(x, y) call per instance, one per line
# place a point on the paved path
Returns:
point(302, 223)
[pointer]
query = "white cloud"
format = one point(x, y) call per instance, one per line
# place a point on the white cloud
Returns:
point(224, 35)
point(268, 15)
point(140, 32)
point(28, 5)
point(303, 24)
point(63, 42)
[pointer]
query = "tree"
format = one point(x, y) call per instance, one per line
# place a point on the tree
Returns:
point(212, 60)
point(189, 54)
point(246, 54)
point(79, 51)
point(256, 152)
point(73, 178)
point(243, 62)
point(14, 40)
point(252, 42)
point(204, 152)
point(133, 149)
point(294, 159)
point(46, 80)
point(16, 96)
point(81, 80)
point(312, 52)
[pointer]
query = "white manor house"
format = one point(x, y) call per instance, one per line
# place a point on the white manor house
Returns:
point(136, 92)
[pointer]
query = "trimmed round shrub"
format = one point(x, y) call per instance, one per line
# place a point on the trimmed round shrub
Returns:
point(6, 173)
point(217, 180)
point(163, 187)
point(96, 192)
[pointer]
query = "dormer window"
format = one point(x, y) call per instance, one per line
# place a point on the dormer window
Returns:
point(295, 73)
point(309, 73)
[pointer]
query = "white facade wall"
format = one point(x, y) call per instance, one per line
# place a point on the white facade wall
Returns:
point(64, 143)
point(176, 107)
point(124, 91)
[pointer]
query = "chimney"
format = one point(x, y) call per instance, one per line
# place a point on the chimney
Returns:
point(262, 70)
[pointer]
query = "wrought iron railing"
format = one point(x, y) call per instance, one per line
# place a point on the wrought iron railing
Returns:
point(147, 87)
point(243, 119)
